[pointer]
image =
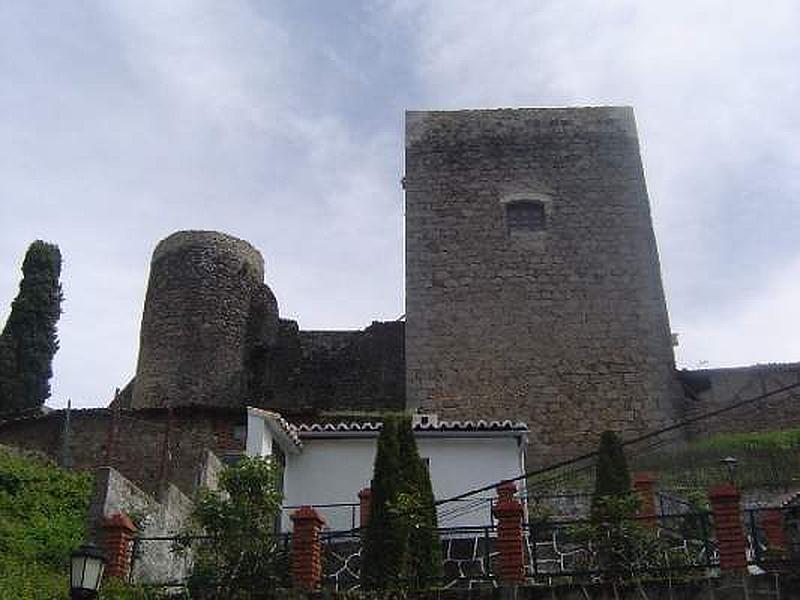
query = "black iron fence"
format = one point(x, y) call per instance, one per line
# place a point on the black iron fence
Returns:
point(586, 550)
point(773, 537)
point(574, 550)
point(556, 550)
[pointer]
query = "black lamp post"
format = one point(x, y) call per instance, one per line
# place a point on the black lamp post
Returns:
point(86, 568)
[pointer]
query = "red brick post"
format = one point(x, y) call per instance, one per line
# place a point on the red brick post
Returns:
point(306, 549)
point(645, 485)
point(508, 511)
point(364, 506)
point(774, 530)
point(724, 500)
point(118, 532)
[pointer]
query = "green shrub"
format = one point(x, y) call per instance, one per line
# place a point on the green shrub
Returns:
point(402, 547)
point(613, 480)
point(42, 519)
point(238, 555)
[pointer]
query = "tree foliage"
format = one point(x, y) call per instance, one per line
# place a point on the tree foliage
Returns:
point(402, 546)
point(613, 477)
point(29, 340)
point(233, 539)
point(619, 541)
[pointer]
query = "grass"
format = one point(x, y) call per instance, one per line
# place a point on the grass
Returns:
point(764, 460)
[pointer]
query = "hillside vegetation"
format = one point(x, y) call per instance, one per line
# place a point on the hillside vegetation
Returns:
point(42, 516)
point(768, 459)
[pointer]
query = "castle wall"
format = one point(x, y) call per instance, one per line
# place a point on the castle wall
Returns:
point(313, 371)
point(206, 310)
point(138, 444)
point(565, 327)
point(717, 388)
point(155, 516)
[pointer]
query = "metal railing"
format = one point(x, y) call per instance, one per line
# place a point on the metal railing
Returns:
point(556, 550)
point(775, 546)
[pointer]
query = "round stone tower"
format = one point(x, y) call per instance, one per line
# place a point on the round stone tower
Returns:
point(206, 310)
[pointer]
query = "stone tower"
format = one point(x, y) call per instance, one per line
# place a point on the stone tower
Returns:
point(206, 312)
point(533, 286)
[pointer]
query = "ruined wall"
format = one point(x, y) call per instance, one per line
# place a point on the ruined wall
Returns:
point(211, 336)
point(565, 327)
point(315, 371)
point(154, 516)
point(206, 311)
point(716, 388)
point(137, 441)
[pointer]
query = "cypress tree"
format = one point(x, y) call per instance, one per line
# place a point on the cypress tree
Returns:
point(384, 546)
point(29, 341)
point(613, 480)
point(613, 477)
point(402, 545)
point(424, 547)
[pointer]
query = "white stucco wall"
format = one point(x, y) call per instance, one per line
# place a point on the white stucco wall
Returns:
point(333, 470)
point(329, 471)
point(259, 438)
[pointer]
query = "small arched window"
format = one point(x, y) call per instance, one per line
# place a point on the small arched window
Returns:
point(525, 216)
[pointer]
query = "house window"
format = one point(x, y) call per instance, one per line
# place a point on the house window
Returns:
point(525, 216)
point(426, 461)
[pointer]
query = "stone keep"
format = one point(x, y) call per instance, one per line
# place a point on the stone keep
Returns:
point(207, 311)
point(533, 286)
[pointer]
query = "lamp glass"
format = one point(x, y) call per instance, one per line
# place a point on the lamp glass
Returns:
point(86, 571)
point(93, 574)
point(77, 570)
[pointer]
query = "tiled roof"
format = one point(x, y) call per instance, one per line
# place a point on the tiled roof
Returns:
point(279, 424)
point(439, 426)
point(288, 429)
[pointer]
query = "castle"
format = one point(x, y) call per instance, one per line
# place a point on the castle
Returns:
point(533, 292)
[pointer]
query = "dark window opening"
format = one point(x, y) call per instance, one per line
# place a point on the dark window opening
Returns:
point(525, 216)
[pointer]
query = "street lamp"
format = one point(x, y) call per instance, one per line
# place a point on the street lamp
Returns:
point(86, 568)
point(730, 463)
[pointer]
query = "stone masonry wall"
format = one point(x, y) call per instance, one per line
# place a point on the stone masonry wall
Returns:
point(317, 371)
point(207, 309)
point(716, 388)
point(154, 516)
point(565, 328)
point(138, 447)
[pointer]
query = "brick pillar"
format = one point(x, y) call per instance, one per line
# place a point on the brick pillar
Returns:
point(306, 549)
point(724, 500)
point(364, 506)
point(511, 556)
point(774, 530)
point(117, 538)
point(645, 486)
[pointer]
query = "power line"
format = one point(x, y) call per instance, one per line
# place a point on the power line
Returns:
point(675, 426)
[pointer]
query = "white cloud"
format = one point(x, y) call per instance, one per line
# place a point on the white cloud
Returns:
point(282, 123)
point(715, 88)
point(760, 330)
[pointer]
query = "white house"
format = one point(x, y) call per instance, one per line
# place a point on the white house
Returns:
point(326, 465)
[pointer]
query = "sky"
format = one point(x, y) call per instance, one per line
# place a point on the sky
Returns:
point(281, 122)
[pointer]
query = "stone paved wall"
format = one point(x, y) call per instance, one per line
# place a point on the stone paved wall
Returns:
point(207, 309)
point(735, 587)
point(565, 328)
